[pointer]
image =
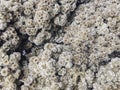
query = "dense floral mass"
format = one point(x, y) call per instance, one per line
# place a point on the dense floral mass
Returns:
point(59, 44)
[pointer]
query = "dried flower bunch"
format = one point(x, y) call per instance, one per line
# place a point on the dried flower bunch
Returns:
point(59, 44)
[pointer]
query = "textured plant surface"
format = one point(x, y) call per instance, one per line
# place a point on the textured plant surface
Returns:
point(59, 44)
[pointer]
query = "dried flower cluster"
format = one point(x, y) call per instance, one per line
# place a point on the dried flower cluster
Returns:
point(59, 44)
